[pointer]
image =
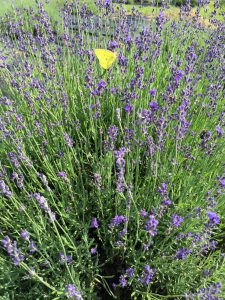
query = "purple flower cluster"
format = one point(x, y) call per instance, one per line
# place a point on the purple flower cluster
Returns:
point(32, 246)
point(118, 225)
point(183, 252)
point(94, 223)
point(69, 140)
point(151, 225)
point(117, 220)
point(99, 89)
point(213, 218)
point(65, 258)
point(44, 205)
point(61, 174)
point(4, 189)
point(24, 234)
point(199, 242)
point(73, 292)
point(112, 134)
point(124, 278)
point(19, 178)
point(154, 105)
point(176, 220)
point(147, 275)
point(13, 251)
point(120, 169)
point(163, 189)
point(94, 250)
point(210, 292)
point(128, 108)
point(222, 182)
point(153, 92)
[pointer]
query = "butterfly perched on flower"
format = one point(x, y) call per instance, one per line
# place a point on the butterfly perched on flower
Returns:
point(106, 57)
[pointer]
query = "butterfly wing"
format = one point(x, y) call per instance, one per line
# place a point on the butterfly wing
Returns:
point(106, 57)
point(111, 57)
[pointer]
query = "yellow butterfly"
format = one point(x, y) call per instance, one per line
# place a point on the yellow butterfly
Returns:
point(106, 57)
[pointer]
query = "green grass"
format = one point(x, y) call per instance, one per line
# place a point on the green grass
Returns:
point(173, 12)
point(149, 11)
point(52, 7)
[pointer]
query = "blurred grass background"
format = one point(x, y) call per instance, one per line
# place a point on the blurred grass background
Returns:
point(147, 10)
point(52, 7)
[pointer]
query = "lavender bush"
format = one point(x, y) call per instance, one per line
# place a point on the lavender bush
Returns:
point(112, 182)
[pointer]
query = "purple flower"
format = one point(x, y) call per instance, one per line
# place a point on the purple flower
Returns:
point(128, 108)
point(166, 202)
point(25, 235)
point(113, 45)
point(44, 205)
point(6, 242)
point(119, 154)
point(107, 3)
point(213, 244)
point(65, 258)
point(176, 220)
point(182, 253)
point(219, 131)
point(163, 189)
point(69, 140)
point(213, 218)
point(94, 250)
point(153, 91)
point(112, 132)
point(120, 169)
point(4, 189)
point(3, 58)
point(101, 85)
point(117, 220)
point(151, 225)
point(154, 105)
point(32, 246)
point(143, 213)
point(13, 251)
point(123, 61)
point(122, 281)
point(148, 274)
point(130, 272)
point(19, 179)
point(129, 133)
point(14, 159)
point(72, 292)
point(122, 232)
point(61, 174)
point(41, 200)
point(160, 19)
point(179, 75)
point(94, 223)
point(222, 182)
point(210, 292)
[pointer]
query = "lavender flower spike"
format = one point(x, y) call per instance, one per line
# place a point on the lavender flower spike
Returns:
point(72, 292)
point(12, 250)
